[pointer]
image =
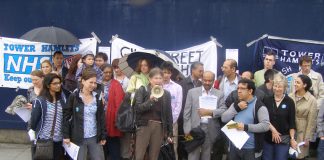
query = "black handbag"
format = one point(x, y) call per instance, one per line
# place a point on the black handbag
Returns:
point(45, 147)
point(167, 152)
point(125, 120)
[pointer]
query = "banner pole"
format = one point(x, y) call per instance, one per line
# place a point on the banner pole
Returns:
point(252, 42)
point(212, 38)
point(296, 40)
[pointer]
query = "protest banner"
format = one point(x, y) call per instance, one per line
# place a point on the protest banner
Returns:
point(288, 51)
point(205, 53)
point(18, 58)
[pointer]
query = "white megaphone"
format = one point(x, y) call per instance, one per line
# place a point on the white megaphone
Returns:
point(157, 91)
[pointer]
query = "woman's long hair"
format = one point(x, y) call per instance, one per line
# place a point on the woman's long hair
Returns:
point(48, 79)
point(74, 64)
point(139, 63)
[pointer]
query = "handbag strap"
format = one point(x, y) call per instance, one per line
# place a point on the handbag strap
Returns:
point(54, 120)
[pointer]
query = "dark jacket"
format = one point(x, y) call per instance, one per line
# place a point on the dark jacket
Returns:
point(64, 72)
point(73, 117)
point(70, 83)
point(233, 97)
point(142, 104)
point(39, 112)
point(186, 85)
point(265, 90)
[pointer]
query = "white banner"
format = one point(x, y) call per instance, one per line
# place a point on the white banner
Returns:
point(205, 53)
point(18, 58)
point(121, 47)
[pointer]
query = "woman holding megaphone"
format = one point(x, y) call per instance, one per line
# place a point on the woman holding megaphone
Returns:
point(153, 116)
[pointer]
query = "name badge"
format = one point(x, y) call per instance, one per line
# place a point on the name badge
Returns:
point(77, 109)
point(283, 106)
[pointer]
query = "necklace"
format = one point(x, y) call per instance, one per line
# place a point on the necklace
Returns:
point(280, 99)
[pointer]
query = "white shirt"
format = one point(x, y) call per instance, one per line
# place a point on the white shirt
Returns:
point(205, 93)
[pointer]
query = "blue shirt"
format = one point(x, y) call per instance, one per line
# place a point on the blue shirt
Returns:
point(246, 116)
point(89, 120)
point(229, 87)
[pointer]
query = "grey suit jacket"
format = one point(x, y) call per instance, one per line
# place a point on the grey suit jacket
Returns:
point(191, 118)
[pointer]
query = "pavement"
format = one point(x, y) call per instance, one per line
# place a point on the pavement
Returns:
point(9, 151)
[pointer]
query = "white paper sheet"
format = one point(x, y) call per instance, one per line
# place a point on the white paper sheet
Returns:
point(72, 150)
point(207, 102)
point(238, 138)
point(23, 113)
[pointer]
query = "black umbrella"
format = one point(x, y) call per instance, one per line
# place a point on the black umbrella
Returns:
point(197, 139)
point(128, 63)
point(52, 35)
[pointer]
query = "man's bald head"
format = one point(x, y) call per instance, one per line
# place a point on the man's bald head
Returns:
point(208, 79)
point(209, 74)
point(247, 75)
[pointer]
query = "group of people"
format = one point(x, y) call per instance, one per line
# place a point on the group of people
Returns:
point(79, 105)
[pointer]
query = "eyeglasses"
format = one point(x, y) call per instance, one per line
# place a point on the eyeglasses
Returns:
point(56, 83)
point(239, 88)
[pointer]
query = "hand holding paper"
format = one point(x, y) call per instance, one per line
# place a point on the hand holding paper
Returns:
point(72, 150)
point(205, 112)
point(238, 138)
point(232, 125)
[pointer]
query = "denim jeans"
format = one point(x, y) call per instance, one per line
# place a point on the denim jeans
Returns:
point(243, 154)
point(275, 151)
point(90, 145)
point(320, 150)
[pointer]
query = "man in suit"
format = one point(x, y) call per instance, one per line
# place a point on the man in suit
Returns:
point(198, 116)
point(192, 81)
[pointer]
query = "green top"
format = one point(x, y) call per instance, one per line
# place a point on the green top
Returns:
point(136, 81)
point(259, 77)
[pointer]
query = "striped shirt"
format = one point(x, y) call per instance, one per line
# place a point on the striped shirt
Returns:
point(48, 123)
